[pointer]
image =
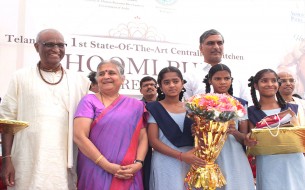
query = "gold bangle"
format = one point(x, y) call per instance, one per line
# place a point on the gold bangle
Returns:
point(98, 159)
point(8, 156)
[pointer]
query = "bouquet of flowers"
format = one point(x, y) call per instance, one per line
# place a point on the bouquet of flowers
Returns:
point(216, 107)
point(211, 113)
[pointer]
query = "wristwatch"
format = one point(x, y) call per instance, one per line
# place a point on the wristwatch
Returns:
point(140, 161)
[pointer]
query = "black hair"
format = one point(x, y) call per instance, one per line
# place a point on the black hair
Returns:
point(92, 77)
point(297, 96)
point(147, 78)
point(169, 69)
point(254, 80)
point(212, 71)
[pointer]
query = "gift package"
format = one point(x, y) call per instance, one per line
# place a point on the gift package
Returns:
point(278, 134)
point(282, 140)
point(284, 117)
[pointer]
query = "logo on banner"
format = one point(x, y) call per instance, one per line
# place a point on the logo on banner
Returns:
point(166, 2)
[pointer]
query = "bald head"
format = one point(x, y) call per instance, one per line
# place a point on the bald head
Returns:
point(50, 45)
point(48, 31)
point(285, 74)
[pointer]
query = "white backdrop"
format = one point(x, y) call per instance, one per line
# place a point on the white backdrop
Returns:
point(147, 35)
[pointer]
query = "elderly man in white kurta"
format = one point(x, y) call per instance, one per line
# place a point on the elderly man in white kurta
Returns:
point(45, 95)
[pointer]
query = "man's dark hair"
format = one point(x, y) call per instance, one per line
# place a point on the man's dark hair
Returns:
point(92, 76)
point(208, 33)
point(147, 78)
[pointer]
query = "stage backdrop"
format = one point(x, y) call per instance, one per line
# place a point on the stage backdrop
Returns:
point(147, 35)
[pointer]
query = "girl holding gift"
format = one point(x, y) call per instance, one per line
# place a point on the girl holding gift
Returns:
point(169, 134)
point(232, 159)
point(280, 171)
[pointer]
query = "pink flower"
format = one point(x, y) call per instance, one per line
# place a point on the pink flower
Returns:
point(215, 106)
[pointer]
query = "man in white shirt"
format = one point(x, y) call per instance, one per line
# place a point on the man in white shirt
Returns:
point(211, 47)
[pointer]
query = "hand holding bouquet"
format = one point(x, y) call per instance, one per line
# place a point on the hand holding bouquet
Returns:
point(211, 113)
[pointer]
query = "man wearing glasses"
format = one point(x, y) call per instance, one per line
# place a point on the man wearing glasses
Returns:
point(286, 89)
point(44, 95)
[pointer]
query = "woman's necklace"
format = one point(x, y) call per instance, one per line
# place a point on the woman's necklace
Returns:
point(62, 75)
point(102, 98)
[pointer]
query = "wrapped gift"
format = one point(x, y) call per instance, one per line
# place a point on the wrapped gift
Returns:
point(281, 140)
point(12, 126)
point(284, 117)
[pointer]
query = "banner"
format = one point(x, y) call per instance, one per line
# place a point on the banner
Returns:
point(148, 35)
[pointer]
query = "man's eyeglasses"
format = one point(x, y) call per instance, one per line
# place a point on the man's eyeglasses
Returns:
point(52, 45)
point(286, 80)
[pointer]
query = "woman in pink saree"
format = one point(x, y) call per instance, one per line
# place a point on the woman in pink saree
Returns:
point(109, 130)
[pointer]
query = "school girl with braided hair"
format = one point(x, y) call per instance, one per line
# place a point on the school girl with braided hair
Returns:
point(279, 171)
point(232, 159)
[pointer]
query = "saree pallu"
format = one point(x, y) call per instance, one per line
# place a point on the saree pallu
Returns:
point(115, 133)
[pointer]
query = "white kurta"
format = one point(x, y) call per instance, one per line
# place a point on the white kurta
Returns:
point(40, 152)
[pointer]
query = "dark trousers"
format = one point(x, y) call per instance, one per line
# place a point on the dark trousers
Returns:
point(146, 168)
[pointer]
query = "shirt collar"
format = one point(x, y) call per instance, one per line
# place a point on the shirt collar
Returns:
point(207, 66)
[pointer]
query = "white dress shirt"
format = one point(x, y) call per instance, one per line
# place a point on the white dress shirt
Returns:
point(195, 85)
